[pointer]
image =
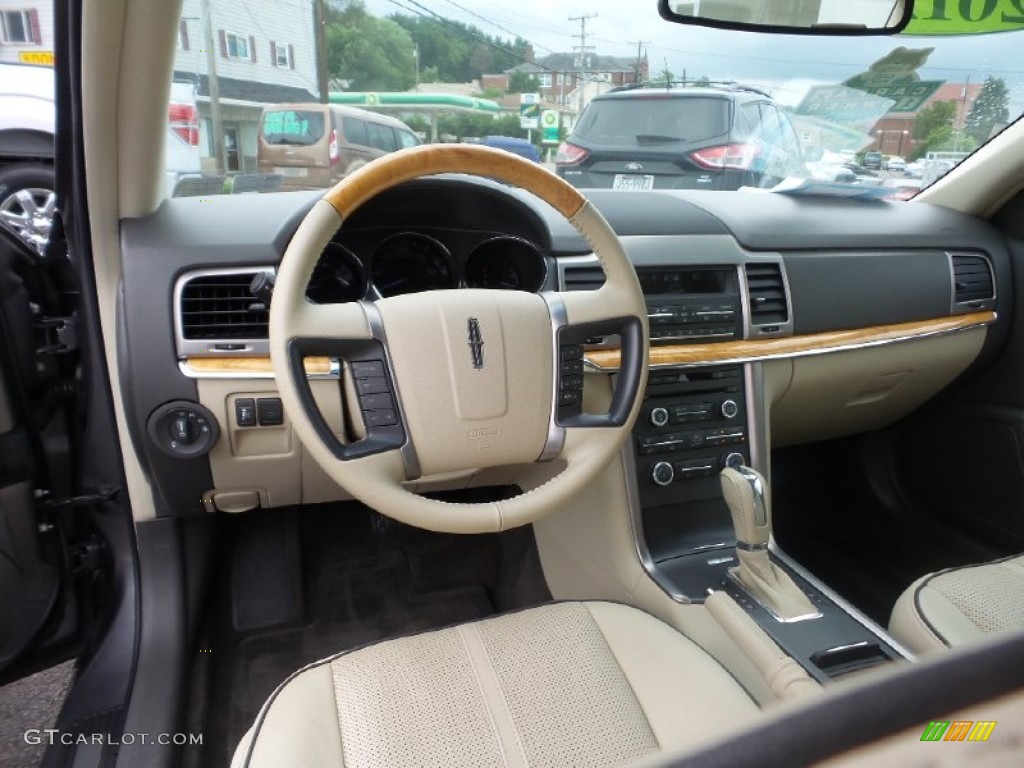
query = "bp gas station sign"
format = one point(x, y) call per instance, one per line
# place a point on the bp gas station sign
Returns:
point(550, 121)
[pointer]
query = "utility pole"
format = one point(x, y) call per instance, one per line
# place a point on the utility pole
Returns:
point(639, 67)
point(216, 123)
point(581, 62)
point(320, 23)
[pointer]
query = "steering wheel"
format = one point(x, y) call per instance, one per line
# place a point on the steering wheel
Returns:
point(455, 380)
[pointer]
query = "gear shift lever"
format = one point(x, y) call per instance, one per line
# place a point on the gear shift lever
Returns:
point(745, 492)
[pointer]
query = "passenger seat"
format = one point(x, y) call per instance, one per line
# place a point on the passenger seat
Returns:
point(960, 605)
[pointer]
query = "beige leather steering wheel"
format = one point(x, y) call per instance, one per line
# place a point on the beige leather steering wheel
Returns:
point(459, 379)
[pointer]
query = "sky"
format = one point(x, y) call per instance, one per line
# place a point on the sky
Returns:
point(757, 59)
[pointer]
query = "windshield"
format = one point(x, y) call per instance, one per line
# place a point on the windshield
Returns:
point(608, 93)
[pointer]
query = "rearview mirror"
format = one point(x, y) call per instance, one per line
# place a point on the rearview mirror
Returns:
point(818, 17)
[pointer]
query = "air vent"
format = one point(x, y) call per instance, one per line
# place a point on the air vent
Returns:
point(972, 281)
point(219, 307)
point(583, 278)
point(767, 288)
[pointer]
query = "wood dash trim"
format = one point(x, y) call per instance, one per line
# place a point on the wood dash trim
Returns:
point(831, 341)
point(249, 365)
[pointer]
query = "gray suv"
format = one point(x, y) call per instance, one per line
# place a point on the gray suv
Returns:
point(681, 136)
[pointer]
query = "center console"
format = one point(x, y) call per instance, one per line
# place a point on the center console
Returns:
point(697, 420)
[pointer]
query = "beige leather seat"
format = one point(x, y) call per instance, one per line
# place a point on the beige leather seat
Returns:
point(959, 605)
point(565, 684)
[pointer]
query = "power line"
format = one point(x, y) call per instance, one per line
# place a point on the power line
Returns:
point(496, 25)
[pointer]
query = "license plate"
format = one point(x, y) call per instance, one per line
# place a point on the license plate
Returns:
point(633, 182)
point(288, 170)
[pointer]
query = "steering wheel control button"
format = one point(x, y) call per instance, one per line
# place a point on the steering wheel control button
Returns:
point(572, 352)
point(269, 411)
point(570, 397)
point(245, 412)
point(372, 385)
point(728, 409)
point(659, 417)
point(572, 367)
point(662, 473)
point(183, 429)
point(367, 370)
point(380, 418)
point(380, 401)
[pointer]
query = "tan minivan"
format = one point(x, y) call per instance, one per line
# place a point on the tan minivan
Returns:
point(312, 146)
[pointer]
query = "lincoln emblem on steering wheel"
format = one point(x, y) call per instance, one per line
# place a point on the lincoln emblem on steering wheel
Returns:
point(476, 343)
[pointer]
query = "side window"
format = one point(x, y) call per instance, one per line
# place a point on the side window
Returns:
point(790, 142)
point(751, 118)
point(771, 129)
point(355, 131)
point(381, 136)
point(406, 139)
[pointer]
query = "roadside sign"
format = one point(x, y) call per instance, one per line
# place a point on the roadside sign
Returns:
point(549, 123)
point(529, 111)
point(842, 104)
point(906, 97)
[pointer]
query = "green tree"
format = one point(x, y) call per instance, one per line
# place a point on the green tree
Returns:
point(989, 110)
point(938, 114)
point(373, 54)
point(522, 82)
point(664, 76)
point(461, 52)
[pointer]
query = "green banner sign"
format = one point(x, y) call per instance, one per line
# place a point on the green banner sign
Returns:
point(965, 17)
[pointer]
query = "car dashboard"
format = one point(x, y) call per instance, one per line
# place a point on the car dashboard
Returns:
point(774, 321)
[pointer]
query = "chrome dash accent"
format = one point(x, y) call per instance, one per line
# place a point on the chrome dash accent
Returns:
point(407, 451)
point(555, 440)
point(198, 347)
point(752, 547)
point(636, 525)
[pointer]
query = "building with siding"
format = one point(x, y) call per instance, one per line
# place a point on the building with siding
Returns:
point(26, 32)
point(264, 52)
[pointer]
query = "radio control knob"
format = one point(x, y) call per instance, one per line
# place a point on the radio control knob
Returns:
point(733, 460)
point(662, 473)
point(729, 409)
point(659, 417)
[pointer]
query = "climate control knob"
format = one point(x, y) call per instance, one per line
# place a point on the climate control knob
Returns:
point(662, 473)
point(733, 460)
point(728, 409)
point(659, 417)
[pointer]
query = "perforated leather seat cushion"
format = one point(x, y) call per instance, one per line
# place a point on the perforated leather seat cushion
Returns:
point(566, 684)
point(959, 605)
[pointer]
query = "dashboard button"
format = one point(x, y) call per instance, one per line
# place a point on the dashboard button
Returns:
point(382, 418)
point(365, 370)
point(372, 385)
point(245, 412)
point(380, 401)
point(269, 411)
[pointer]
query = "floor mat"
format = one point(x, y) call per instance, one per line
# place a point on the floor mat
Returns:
point(363, 580)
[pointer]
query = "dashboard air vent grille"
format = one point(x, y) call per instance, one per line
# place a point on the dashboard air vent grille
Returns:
point(221, 307)
point(972, 279)
point(768, 305)
point(583, 278)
